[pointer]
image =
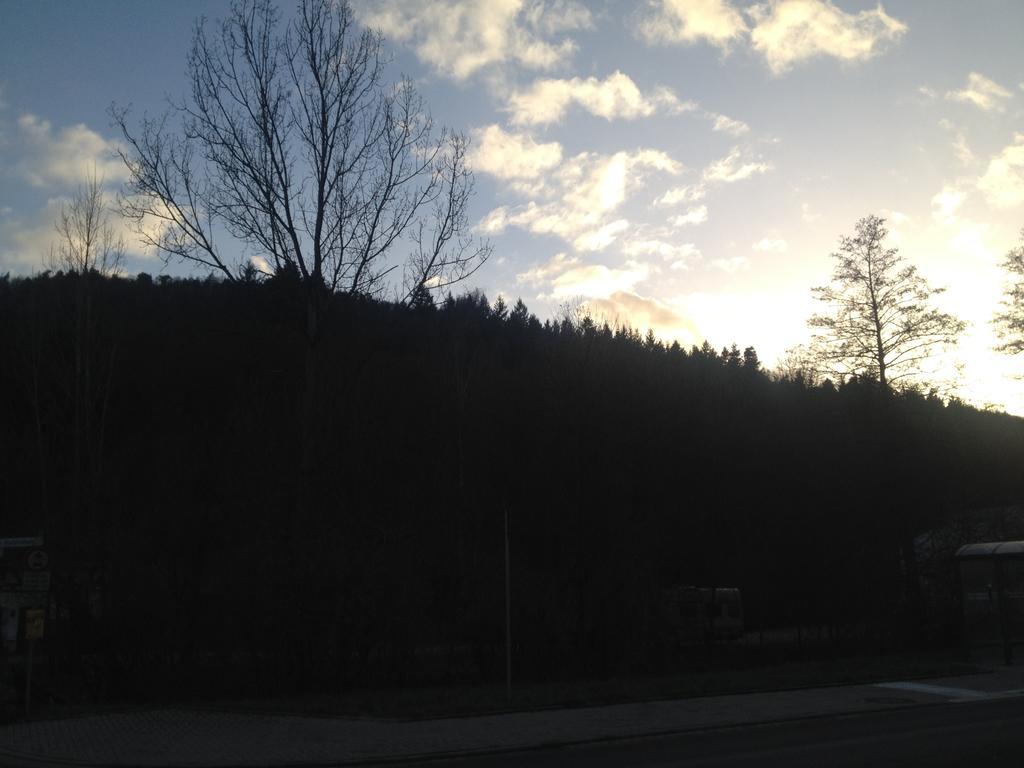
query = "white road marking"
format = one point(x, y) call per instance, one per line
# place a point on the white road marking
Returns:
point(937, 690)
point(954, 694)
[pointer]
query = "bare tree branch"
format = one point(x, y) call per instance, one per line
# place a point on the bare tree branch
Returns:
point(1009, 321)
point(86, 238)
point(292, 143)
point(880, 323)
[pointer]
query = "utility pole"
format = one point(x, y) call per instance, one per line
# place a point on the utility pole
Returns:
point(508, 618)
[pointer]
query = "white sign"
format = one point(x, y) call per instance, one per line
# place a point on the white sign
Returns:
point(37, 560)
point(22, 599)
point(22, 541)
point(35, 581)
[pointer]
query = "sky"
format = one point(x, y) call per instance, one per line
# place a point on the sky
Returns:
point(683, 165)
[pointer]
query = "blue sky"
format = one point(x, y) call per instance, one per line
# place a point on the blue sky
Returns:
point(686, 165)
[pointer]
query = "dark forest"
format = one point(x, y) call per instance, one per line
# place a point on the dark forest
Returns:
point(205, 534)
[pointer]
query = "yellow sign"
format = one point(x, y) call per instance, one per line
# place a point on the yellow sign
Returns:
point(35, 620)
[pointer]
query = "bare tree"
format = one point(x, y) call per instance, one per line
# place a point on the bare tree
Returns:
point(87, 247)
point(86, 240)
point(881, 324)
point(1010, 321)
point(797, 364)
point(291, 142)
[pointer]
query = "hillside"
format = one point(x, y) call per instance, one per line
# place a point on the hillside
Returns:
point(154, 430)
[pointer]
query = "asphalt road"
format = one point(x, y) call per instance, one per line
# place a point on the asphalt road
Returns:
point(977, 733)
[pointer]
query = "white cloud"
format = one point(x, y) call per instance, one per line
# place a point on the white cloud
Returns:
point(733, 167)
point(576, 201)
point(692, 216)
point(656, 160)
point(541, 273)
point(494, 222)
point(674, 252)
point(25, 245)
point(512, 155)
point(689, 21)
point(598, 280)
point(685, 194)
point(983, 93)
point(625, 308)
point(617, 96)
point(460, 37)
point(600, 238)
point(551, 17)
point(261, 264)
point(962, 150)
point(731, 265)
point(807, 214)
point(65, 157)
point(771, 245)
point(945, 204)
point(594, 183)
point(896, 221)
point(971, 240)
point(895, 218)
point(1003, 182)
point(728, 125)
point(787, 32)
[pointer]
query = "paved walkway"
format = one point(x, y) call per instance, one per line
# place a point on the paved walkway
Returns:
point(176, 737)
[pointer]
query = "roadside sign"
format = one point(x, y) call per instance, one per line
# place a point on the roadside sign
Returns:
point(35, 620)
point(10, 578)
point(24, 590)
point(23, 600)
point(35, 581)
point(37, 560)
point(21, 541)
point(9, 628)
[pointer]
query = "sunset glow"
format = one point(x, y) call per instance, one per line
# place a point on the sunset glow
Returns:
point(683, 166)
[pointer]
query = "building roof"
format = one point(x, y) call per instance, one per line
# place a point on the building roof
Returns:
point(992, 549)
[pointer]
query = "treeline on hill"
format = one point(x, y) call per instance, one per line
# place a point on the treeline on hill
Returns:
point(153, 431)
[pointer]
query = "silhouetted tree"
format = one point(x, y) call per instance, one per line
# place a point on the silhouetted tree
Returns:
point(750, 360)
point(705, 351)
point(88, 248)
point(1010, 321)
point(731, 356)
point(292, 142)
point(500, 310)
point(520, 315)
point(880, 324)
point(86, 240)
point(421, 298)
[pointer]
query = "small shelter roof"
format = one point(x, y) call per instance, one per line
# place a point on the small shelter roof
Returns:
point(992, 549)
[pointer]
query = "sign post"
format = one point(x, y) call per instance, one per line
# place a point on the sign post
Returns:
point(24, 595)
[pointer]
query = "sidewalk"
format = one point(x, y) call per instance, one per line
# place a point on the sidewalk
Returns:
point(176, 737)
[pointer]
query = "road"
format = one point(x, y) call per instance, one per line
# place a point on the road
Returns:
point(977, 733)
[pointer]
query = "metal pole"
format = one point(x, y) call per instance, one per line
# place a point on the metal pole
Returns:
point(1004, 624)
point(28, 679)
point(508, 619)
